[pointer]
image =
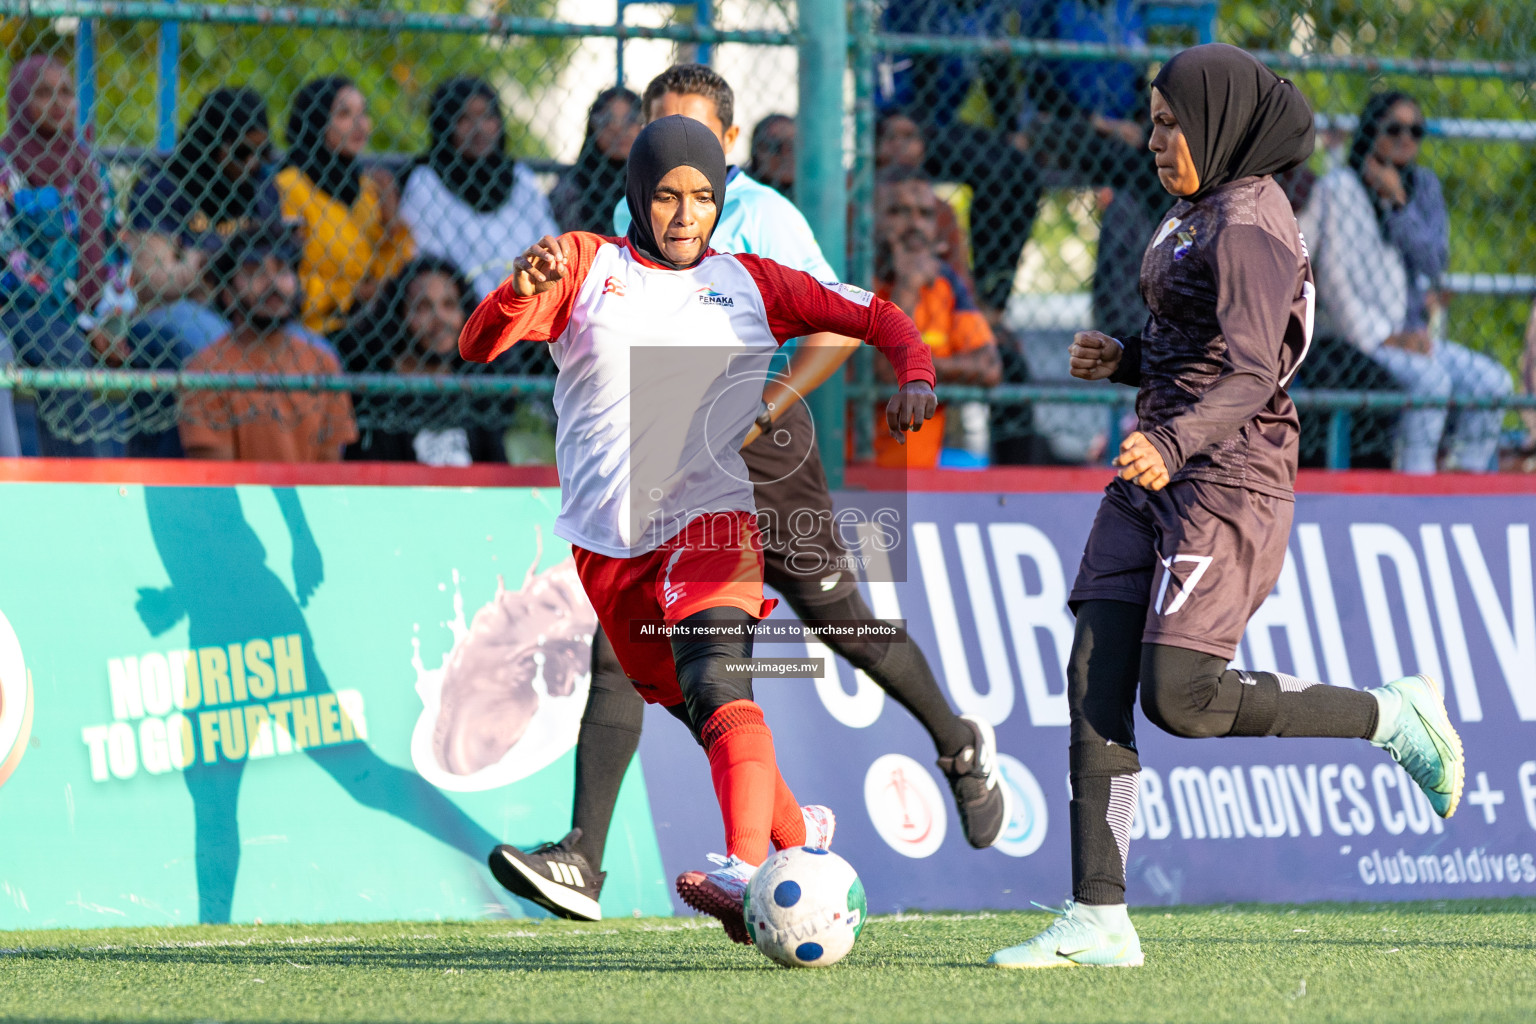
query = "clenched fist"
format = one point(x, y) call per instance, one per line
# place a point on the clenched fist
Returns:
point(540, 267)
point(1094, 355)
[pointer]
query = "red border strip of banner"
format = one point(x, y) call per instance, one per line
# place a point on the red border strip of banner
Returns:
point(1037, 480)
point(1001, 480)
point(202, 473)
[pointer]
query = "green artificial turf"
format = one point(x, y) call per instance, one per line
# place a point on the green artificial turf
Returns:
point(1397, 963)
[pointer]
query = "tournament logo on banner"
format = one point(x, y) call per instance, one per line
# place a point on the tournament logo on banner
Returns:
point(905, 805)
point(1028, 819)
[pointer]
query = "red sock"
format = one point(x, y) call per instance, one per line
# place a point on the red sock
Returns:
point(788, 823)
point(740, 748)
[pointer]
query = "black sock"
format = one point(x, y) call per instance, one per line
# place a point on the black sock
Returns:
point(1102, 763)
point(1103, 805)
point(904, 673)
point(609, 737)
point(1317, 709)
point(898, 668)
point(1191, 693)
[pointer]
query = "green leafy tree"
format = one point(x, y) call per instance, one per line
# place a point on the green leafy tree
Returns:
point(396, 68)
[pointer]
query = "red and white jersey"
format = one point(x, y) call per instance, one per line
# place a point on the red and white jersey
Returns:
point(662, 374)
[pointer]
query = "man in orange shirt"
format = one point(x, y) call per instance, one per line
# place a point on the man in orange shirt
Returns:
point(254, 284)
point(910, 272)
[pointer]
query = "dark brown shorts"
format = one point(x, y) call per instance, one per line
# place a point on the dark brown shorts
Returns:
point(1201, 556)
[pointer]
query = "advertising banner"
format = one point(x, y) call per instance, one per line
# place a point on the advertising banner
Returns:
point(1374, 587)
point(320, 703)
point(305, 704)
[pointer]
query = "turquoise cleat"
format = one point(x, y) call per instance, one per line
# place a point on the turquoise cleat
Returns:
point(1081, 936)
point(1420, 737)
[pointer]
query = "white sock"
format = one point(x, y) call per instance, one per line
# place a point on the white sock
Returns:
point(1110, 917)
point(1390, 706)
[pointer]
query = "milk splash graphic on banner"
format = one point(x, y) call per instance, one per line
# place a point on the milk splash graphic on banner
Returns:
point(508, 697)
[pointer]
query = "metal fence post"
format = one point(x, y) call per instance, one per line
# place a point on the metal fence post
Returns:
point(85, 75)
point(820, 184)
point(861, 247)
point(704, 17)
point(168, 85)
point(1339, 424)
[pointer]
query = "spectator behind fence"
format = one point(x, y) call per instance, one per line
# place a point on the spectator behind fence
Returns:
point(1126, 226)
point(931, 90)
point(910, 272)
point(64, 300)
point(465, 199)
point(899, 143)
point(214, 183)
point(1074, 119)
point(255, 287)
point(1379, 237)
point(414, 328)
point(586, 194)
point(1084, 118)
point(354, 238)
point(772, 159)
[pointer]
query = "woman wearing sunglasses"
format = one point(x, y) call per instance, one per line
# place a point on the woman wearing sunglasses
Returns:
point(1380, 239)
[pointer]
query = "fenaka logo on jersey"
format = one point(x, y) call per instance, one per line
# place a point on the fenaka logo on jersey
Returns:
point(709, 297)
point(613, 286)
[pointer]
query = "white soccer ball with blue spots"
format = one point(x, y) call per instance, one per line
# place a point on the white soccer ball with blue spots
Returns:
point(805, 907)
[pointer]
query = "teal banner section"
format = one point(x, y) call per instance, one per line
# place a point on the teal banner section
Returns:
point(289, 704)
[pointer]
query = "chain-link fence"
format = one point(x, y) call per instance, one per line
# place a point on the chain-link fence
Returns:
point(1020, 131)
point(165, 163)
point(200, 198)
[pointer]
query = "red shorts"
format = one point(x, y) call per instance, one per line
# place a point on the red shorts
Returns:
point(716, 561)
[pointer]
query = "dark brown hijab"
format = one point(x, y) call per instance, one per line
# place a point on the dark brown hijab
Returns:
point(1240, 118)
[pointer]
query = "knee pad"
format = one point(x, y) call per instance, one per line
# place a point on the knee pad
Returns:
point(1089, 760)
point(1181, 692)
point(705, 685)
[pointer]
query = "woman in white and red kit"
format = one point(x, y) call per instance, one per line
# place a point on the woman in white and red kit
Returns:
point(663, 347)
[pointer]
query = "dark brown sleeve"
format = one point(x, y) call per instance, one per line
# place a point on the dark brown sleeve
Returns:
point(1129, 370)
point(1255, 288)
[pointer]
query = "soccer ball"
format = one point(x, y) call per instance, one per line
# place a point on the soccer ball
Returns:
point(805, 907)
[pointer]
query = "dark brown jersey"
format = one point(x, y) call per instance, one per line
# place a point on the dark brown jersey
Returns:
point(1229, 288)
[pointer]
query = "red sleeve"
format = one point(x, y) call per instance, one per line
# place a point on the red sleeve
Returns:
point(798, 304)
point(505, 318)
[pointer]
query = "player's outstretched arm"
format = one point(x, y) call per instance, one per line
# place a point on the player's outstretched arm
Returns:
point(534, 302)
point(797, 304)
